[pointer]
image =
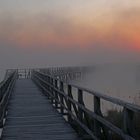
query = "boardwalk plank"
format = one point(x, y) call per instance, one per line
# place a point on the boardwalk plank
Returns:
point(32, 117)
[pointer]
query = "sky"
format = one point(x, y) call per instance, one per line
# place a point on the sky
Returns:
point(41, 33)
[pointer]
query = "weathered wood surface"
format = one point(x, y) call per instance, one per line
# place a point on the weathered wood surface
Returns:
point(32, 117)
point(94, 124)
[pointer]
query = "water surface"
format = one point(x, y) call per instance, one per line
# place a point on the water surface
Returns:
point(115, 80)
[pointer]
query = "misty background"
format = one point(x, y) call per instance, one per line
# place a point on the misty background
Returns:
point(104, 34)
point(116, 73)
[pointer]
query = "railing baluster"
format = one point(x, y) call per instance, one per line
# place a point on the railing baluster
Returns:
point(49, 88)
point(97, 110)
point(80, 101)
point(1, 113)
point(69, 103)
point(128, 122)
point(61, 97)
point(56, 96)
point(51, 82)
point(80, 111)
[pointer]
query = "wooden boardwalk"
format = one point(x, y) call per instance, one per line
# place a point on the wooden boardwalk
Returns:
point(32, 117)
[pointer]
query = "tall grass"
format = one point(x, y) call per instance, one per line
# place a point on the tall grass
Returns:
point(116, 118)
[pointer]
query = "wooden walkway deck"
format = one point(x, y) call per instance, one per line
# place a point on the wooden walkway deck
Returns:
point(32, 117)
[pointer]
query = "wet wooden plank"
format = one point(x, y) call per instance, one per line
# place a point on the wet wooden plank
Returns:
point(32, 117)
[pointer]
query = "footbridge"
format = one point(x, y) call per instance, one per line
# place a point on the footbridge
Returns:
point(42, 104)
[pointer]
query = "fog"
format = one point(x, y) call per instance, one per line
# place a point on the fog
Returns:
point(117, 80)
point(42, 34)
point(113, 75)
point(116, 73)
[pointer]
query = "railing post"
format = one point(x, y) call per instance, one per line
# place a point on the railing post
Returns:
point(61, 97)
point(69, 103)
point(56, 96)
point(80, 101)
point(51, 82)
point(1, 113)
point(97, 110)
point(49, 87)
point(128, 123)
point(0, 93)
point(80, 111)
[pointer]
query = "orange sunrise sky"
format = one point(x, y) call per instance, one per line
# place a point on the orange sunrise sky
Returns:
point(68, 23)
point(83, 25)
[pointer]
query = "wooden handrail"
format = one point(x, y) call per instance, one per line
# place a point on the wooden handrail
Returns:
point(77, 111)
point(130, 106)
point(5, 92)
point(63, 73)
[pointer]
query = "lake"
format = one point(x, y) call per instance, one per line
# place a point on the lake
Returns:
point(119, 81)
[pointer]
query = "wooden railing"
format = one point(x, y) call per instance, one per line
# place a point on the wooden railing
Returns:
point(62, 73)
point(88, 123)
point(66, 73)
point(5, 91)
point(21, 73)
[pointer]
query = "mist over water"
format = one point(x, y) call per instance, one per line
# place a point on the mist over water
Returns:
point(116, 80)
point(119, 80)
